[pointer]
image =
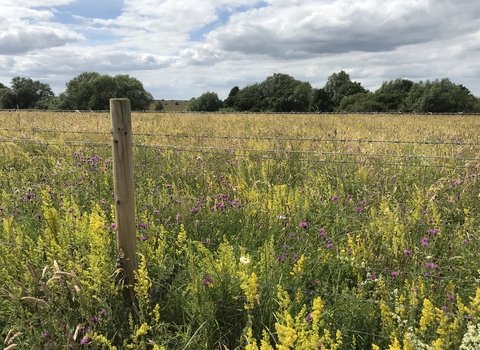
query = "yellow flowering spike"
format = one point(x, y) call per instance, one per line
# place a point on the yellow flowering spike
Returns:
point(428, 315)
point(251, 342)
point(250, 287)
point(298, 267)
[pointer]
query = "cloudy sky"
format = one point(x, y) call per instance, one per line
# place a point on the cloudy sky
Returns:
point(182, 48)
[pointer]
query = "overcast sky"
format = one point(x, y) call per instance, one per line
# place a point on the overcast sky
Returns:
point(182, 48)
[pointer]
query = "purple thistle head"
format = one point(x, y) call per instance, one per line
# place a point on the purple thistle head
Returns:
point(407, 252)
point(208, 281)
point(46, 335)
point(394, 273)
point(303, 224)
point(321, 230)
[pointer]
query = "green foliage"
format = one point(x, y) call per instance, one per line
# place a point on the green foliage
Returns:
point(320, 101)
point(207, 102)
point(283, 93)
point(294, 247)
point(230, 100)
point(439, 96)
point(92, 91)
point(25, 93)
point(334, 83)
point(347, 89)
point(158, 106)
point(361, 102)
point(250, 98)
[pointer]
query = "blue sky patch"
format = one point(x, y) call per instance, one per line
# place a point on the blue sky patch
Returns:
point(103, 9)
point(223, 17)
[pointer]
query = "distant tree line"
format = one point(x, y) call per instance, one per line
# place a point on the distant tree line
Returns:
point(283, 93)
point(277, 93)
point(87, 91)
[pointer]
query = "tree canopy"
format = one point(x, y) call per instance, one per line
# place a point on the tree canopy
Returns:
point(283, 93)
point(207, 102)
point(91, 90)
point(25, 93)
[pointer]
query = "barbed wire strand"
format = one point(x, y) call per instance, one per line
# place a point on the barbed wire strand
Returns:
point(254, 138)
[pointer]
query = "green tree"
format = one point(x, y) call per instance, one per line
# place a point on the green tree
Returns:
point(333, 85)
point(207, 102)
point(439, 96)
point(158, 106)
point(283, 93)
point(250, 98)
point(320, 101)
point(92, 91)
point(361, 102)
point(26, 93)
point(393, 93)
point(348, 89)
point(302, 95)
point(232, 96)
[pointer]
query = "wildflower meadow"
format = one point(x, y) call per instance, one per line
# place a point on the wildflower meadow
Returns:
point(254, 231)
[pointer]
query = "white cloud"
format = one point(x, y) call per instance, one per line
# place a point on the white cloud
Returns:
point(19, 40)
point(244, 41)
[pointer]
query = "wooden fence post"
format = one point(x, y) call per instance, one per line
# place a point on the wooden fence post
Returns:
point(121, 121)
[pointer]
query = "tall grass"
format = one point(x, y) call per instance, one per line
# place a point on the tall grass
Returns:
point(254, 231)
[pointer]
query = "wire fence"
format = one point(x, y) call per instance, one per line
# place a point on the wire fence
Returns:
point(232, 112)
point(346, 158)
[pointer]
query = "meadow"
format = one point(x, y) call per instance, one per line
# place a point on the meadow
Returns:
point(255, 231)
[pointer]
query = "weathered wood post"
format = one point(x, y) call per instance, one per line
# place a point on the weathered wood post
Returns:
point(121, 121)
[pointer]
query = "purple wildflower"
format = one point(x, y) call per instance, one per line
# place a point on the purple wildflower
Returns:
point(94, 319)
point(407, 252)
point(424, 241)
point(321, 230)
point(84, 340)
point(394, 273)
point(303, 224)
point(373, 276)
point(208, 281)
point(46, 335)
point(329, 245)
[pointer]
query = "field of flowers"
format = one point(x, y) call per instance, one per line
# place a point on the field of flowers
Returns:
point(254, 232)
